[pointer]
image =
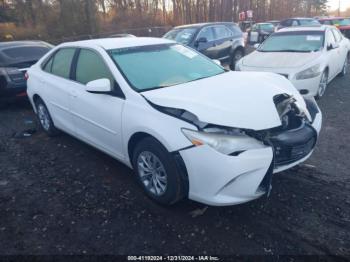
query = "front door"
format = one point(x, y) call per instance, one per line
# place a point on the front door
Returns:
point(207, 48)
point(97, 117)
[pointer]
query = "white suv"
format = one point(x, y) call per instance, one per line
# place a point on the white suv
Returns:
point(185, 125)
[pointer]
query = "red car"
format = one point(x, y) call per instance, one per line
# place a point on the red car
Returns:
point(341, 22)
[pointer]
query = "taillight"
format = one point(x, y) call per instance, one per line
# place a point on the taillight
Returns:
point(26, 76)
point(15, 75)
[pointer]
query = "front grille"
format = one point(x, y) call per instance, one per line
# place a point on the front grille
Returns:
point(285, 155)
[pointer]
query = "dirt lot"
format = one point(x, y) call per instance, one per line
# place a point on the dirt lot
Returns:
point(60, 196)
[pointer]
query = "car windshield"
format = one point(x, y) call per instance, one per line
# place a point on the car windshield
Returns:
point(157, 66)
point(293, 42)
point(267, 27)
point(342, 22)
point(308, 22)
point(183, 36)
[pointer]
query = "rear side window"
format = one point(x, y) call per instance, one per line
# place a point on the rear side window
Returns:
point(235, 29)
point(222, 32)
point(90, 66)
point(295, 23)
point(48, 66)
point(207, 32)
point(62, 62)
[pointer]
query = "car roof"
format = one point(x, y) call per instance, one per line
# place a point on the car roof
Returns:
point(331, 18)
point(199, 25)
point(11, 44)
point(305, 28)
point(114, 43)
point(264, 23)
point(303, 18)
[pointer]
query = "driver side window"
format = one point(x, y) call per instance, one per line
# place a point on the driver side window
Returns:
point(90, 66)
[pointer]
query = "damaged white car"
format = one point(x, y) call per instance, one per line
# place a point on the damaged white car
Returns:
point(185, 125)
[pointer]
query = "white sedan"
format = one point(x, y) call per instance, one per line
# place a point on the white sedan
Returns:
point(310, 57)
point(185, 125)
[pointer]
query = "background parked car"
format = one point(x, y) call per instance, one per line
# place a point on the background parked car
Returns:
point(298, 21)
point(15, 59)
point(274, 22)
point(221, 41)
point(310, 57)
point(121, 35)
point(342, 23)
point(259, 32)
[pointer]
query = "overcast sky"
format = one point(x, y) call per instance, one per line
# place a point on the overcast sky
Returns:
point(344, 4)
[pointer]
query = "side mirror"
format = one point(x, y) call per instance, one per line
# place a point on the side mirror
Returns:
point(216, 61)
point(256, 46)
point(99, 86)
point(201, 40)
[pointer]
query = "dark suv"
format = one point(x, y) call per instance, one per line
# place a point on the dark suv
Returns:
point(298, 21)
point(221, 41)
point(15, 58)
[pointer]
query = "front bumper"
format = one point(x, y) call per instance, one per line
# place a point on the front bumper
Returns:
point(218, 179)
point(310, 85)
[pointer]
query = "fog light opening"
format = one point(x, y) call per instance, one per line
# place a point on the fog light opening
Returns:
point(304, 92)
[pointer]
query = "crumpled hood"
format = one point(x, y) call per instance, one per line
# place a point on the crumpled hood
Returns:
point(279, 59)
point(232, 99)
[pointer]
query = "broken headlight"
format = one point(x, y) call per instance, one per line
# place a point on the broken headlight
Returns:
point(224, 141)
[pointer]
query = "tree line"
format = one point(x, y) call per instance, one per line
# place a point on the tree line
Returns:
point(53, 19)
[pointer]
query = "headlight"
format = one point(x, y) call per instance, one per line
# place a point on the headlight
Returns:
point(309, 73)
point(223, 141)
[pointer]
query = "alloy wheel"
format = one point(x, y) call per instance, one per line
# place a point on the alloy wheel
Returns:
point(43, 116)
point(323, 84)
point(152, 173)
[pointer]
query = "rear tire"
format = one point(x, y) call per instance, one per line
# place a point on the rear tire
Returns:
point(45, 119)
point(157, 172)
point(237, 55)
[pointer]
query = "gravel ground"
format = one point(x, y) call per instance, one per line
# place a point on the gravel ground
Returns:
point(60, 196)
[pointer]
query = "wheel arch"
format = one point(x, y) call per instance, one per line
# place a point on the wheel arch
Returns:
point(35, 99)
point(139, 136)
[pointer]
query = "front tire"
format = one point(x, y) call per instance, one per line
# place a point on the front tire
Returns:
point(237, 55)
point(322, 85)
point(158, 173)
point(45, 119)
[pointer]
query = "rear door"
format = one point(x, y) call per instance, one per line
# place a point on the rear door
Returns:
point(223, 42)
point(207, 48)
point(57, 87)
point(97, 117)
